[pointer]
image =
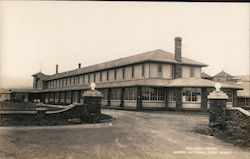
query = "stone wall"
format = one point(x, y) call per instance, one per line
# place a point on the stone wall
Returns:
point(86, 113)
point(237, 121)
point(231, 124)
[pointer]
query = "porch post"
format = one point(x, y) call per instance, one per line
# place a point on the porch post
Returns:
point(178, 99)
point(139, 99)
point(65, 96)
point(109, 95)
point(122, 97)
point(166, 98)
point(54, 97)
point(79, 96)
point(203, 99)
point(71, 93)
point(59, 100)
point(235, 100)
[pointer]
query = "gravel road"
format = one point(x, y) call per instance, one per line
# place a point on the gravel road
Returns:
point(132, 135)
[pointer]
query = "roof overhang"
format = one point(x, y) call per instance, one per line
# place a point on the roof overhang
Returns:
point(199, 82)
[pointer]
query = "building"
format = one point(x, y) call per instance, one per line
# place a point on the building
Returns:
point(4, 95)
point(222, 77)
point(152, 80)
point(243, 96)
point(206, 76)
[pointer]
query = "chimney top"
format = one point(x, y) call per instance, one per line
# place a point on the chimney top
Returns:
point(56, 68)
point(79, 65)
point(178, 38)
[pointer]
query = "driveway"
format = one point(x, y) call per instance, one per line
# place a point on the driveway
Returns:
point(132, 135)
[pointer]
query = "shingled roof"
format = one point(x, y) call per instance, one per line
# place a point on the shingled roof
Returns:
point(154, 56)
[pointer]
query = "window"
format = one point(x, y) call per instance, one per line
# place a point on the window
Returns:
point(100, 76)
point(191, 94)
point(107, 75)
point(172, 96)
point(142, 70)
point(115, 94)
point(94, 77)
point(123, 73)
point(153, 94)
point(159, 70)
point(130, 93)
point(104, 94)
point(229, 94)
point(172, 71)
point(192, 72)
point(88, 78)
point(115, 74)
point(76, 79)
point(83, 79)
point(133, 72)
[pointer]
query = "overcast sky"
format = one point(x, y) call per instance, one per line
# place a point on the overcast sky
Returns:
point(39, 35)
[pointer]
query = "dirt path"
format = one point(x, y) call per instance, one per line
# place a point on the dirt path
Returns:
point(131, 135)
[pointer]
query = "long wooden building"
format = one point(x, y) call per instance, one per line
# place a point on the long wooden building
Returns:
point(154, 79)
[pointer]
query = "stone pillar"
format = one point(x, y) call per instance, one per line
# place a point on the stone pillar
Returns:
point(203, 99)
point(178, 99)
point(217, 112)
point(122, 97)
point(92, 102)
point(139, 99)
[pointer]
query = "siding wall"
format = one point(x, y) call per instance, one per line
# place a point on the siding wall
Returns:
point(150, 71)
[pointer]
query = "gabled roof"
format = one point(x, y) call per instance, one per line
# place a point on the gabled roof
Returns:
point(155, 55)
point(41, 76)
point(222, 74)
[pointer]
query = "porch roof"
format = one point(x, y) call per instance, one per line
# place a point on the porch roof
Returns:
point(199, 82)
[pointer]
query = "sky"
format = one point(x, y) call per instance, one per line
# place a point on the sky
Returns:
point(37, 35)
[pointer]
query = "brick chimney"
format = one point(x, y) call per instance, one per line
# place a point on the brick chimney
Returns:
point(56, 69)
point(178, 67)
point(178, 49)
point(79, 65)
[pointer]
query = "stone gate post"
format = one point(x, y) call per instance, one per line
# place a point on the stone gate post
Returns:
point(217, 111)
